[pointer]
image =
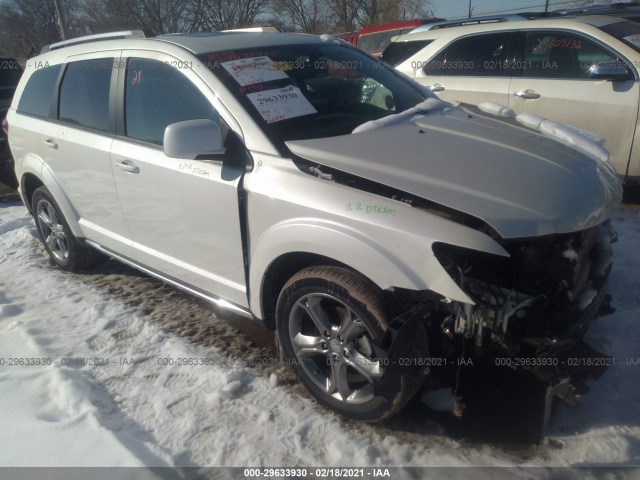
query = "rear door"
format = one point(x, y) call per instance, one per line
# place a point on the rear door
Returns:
point(76, 145)
point(183, 214)
point(472, 69)
point(556, 83)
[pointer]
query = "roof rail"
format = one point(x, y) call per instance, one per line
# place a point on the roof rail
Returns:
point(591, 8)
point(461, 22)
point(253, 29)
point(97, 38)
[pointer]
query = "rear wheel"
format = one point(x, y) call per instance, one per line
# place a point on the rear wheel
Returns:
point(330, 322)
point(58, 240)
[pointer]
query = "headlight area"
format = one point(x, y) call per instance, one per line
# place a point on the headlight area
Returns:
point(538, 300)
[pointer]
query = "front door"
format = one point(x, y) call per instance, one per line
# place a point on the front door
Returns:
point(183, 214)
point(556, 84)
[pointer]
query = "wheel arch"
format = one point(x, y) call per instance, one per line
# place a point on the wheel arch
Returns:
point(28, 185)
point(281, 270)
point(287, 250)
point(30, 182)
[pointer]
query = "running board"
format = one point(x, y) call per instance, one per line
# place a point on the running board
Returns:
point(219, 302)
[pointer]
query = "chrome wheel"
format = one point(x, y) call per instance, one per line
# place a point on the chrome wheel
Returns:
point(332, 329)
point(52, 230)
point(333, 346)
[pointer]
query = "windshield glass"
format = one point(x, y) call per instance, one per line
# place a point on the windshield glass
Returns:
point(298, 92)
point(627, 32)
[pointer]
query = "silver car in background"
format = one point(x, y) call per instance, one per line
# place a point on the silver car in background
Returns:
point(583, 71)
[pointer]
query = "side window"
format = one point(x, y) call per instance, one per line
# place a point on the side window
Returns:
point(377, 42)
point(562, 55)
point(478, 55)
point(38, 93)
point(157, 95)
point(435, 67)
point(84, 93)
point(398, 52)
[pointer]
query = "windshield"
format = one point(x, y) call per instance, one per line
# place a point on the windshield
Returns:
point(298, 92)
point(627, 32)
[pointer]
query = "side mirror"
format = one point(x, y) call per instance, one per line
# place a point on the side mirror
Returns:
point(193, 138)
point(614, 71)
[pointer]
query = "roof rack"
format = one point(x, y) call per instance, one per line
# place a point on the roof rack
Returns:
point(253, 29)
point(589, 9)
point(461, 22)
point(601, 9)
point(97, 38)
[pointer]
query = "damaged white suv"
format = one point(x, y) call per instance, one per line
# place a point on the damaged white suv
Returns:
point(300, 182)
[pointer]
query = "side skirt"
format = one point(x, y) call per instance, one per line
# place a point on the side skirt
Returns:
point(219, 302)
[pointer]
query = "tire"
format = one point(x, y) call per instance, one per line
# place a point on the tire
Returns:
point(62, 246)
point(329, 320)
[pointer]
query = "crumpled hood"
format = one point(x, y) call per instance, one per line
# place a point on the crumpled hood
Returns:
point(520, 182)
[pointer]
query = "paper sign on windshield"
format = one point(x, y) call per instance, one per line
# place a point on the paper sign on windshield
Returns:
point(249, 71)
point(281, 103)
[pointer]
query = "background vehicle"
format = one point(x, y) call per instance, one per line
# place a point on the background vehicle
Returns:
point(261, 172)
point(10, 72)
point(375, 38)
point(582, 71)
point(627, 10)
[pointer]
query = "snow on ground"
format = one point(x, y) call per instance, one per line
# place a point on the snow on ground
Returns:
point(229, 404)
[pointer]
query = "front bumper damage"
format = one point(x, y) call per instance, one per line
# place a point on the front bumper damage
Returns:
point(539, 300)
point(531, 313)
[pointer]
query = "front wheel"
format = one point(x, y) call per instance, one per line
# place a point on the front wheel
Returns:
point(330, 322)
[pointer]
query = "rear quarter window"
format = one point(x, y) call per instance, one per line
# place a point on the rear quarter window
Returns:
point(377, 42)
point(37, 96)
point(398, 52)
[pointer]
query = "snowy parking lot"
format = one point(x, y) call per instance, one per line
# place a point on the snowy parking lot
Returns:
point(111, 368)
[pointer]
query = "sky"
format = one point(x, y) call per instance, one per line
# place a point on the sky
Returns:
point(459, 8)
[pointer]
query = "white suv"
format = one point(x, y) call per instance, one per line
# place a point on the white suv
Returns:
point(582, 71)
point(300, 182)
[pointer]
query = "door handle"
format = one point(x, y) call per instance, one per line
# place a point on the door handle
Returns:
point(436, 87)
point(50, 143)
point(128, 166)
point(528, 94)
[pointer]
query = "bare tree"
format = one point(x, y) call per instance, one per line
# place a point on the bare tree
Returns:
point(471, 9)
point(160, 16)
point(225, 15)
point(350, 15)
point(310, 16)
point(28, 25)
